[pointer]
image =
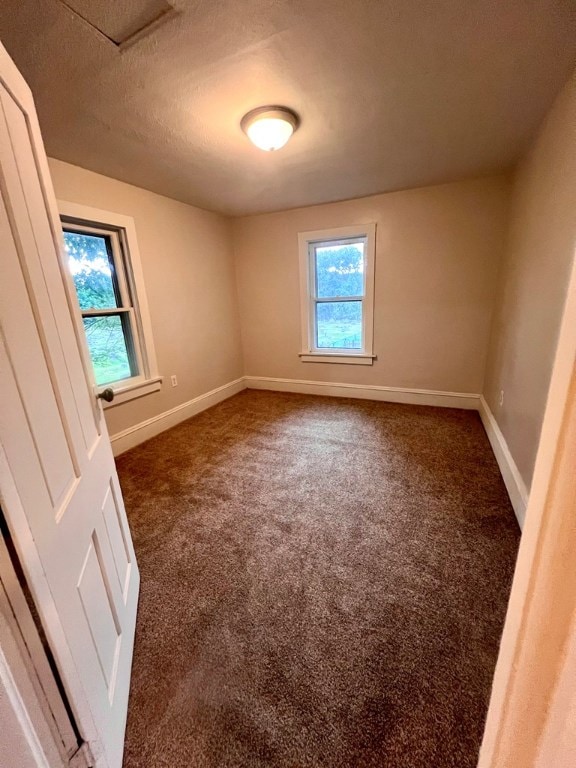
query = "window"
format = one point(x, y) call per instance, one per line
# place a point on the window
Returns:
point(337, 289)
point(105, 303)
point(101, 252)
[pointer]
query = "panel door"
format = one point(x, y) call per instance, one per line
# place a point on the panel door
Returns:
point(58, 481)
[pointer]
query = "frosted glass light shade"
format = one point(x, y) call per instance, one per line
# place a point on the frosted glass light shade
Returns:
point(269, 128)
point(269, 133)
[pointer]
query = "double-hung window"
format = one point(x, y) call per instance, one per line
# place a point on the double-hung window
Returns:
point(337, 294)
point(100, 252)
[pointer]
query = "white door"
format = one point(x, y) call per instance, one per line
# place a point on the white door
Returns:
point(58, 483)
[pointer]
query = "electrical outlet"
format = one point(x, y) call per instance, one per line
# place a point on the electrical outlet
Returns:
point(174, 380)
point(501, 401)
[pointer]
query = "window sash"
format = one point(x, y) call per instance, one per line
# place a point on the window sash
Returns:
point(329, 243)
point(125, 316)
point(314, 299)
point(115, 257)
point(123, 293)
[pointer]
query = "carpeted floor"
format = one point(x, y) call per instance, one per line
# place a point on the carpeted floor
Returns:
point(324, 583)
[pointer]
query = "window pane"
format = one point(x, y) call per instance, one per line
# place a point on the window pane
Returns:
point(108, 351)
point(91, 269)
point(340, 270)
point(339, 324)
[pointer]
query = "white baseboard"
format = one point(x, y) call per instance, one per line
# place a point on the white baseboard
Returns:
point(128, 438)
point(367, 392)
point(138, 433)
point(512, 478)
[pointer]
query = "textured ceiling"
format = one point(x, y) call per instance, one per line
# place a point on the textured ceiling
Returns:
point(119, 20)
point(391, 93)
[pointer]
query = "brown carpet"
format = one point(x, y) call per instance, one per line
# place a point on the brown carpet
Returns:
point(324, 583)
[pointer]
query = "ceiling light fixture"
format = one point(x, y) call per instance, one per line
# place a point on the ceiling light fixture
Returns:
point(269, 128)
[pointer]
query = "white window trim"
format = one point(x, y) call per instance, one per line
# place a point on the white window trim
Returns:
point(149, 380)
point(310, 353)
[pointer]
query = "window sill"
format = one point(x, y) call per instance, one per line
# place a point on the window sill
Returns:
point(336, 357)
point(125, 392)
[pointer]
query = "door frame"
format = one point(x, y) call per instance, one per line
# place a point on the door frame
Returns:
point(533, 682)
point(12, 506)
point(39, 692)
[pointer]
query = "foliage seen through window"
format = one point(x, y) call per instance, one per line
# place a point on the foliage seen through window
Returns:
point(108, 333)
point(339, 274)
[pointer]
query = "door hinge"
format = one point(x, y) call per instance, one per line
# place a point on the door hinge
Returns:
point(82, 758)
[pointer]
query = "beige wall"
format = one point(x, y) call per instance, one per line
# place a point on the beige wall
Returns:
point(187, 261)
point(437, 257)
point(437, 275)
point(533, 282)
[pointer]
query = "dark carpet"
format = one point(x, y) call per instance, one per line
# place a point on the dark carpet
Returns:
point(324, 583)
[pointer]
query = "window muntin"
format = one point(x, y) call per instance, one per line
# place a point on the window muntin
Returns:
point(99, 271)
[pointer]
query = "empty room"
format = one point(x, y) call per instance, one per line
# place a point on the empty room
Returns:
point(287, 366)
